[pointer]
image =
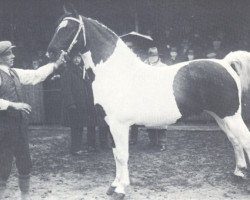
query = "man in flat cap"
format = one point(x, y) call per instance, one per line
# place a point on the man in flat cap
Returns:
point(13, 116)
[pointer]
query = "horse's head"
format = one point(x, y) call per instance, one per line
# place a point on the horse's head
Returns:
point(80, 35)
point(70, 34)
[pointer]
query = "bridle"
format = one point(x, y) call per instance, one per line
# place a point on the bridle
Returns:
point(81, 27)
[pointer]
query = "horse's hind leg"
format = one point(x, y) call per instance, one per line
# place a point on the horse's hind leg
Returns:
point(240, 130)
point(228, 125)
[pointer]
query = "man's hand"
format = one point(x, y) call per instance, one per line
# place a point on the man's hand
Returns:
point(21, 106)
point(61, 60)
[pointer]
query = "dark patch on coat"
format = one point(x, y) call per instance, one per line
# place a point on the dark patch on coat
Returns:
point(205, 85)
point(100, 40)
point(235, 69)
point(101, 115)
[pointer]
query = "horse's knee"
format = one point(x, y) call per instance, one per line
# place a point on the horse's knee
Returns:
point(122, 158)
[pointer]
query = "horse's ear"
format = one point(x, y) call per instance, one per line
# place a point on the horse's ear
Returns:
point(69, 8)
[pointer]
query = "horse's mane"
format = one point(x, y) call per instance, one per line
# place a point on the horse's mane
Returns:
point(97, 23)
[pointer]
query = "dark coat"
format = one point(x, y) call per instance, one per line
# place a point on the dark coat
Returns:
point(77, 94)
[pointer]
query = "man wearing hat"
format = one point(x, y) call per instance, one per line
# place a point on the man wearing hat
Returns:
point(13, 116)
point(173, 57)
point(154, 58)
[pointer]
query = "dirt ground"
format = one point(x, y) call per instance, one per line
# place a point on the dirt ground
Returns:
point(195, 166)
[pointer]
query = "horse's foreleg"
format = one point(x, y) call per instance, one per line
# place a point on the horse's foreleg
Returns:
point(120, 134)
point(115, 183)
point(241, 164)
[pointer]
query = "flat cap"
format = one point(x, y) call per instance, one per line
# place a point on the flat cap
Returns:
point(5, 46)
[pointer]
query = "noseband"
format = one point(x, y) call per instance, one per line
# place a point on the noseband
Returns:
point(80, 27)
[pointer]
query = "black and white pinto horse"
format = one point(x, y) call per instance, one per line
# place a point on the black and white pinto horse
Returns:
point(132, 92)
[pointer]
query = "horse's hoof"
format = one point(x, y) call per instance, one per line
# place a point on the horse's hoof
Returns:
point(118, 196)
point(241, 174)
point(111, 190)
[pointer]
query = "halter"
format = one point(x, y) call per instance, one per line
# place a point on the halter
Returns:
point(74, 41)
point(81, 27)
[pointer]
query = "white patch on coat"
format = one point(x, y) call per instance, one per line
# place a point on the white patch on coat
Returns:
point(241, 60)
point(63, 24)
point(133, 92)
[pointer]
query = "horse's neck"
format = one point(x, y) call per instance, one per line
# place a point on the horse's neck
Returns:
point(101, 41)
point(123, 57)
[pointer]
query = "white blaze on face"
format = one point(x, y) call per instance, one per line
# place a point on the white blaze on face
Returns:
point(63, 24)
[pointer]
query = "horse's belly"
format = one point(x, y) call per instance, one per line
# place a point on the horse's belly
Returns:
point(157, 108)
point(143, 101)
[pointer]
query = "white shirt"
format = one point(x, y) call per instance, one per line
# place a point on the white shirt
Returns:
point(27, 77)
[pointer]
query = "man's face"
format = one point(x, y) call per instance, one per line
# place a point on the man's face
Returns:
point(7, 58)
point(77, 60)
point(173, 53)
point(216, 44)
point(153, 59)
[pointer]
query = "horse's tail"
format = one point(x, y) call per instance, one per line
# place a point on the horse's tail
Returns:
point(240, 62)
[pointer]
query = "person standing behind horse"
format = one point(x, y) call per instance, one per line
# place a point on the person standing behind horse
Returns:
point(13, 117)
point(79, 106)
point(157, 137)
point(173, 57)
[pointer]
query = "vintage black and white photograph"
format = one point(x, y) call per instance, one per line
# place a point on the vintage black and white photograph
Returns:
point(124, 99)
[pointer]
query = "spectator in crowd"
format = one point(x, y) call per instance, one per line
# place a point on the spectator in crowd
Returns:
point(79, 106)
point(167, 38)
point(183, 52)
point(41, 57)
point(137, 49)
point(35, 64)
point(190, 55)
point(24, 64)
point(173, 57)
point(198, 44)
point(130, 45)
point(13, 117)
point(157, 137)
point(216, 51)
